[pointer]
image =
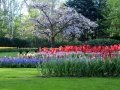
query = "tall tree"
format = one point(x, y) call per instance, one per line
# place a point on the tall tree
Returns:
point(89, 8)
point(60, 20)
point(10, 9)
point(113, 19)
point(92, 9)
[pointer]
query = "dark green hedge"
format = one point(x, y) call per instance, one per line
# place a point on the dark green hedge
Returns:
point(15, 42)
point(102, 42)
point(63, 43)
point(46, 43)
point(20, 43)
point(5, 42)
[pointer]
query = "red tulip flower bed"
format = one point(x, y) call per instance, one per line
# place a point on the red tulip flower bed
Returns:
point(80, 61)
point(101, 52)
point(77, 61)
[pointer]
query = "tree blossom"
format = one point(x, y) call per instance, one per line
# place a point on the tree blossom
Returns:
point(53, 21)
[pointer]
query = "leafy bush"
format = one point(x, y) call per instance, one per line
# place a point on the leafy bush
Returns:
point(27, 49)
point(8, 49)
point(46, 43)
point(20, 43)
point(5, 42)
point(63, 43)
point(102, 42)
point(15, 42)
point(38, 42)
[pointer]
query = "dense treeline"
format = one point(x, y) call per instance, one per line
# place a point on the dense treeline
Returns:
point(105, 12)
point(15, 31)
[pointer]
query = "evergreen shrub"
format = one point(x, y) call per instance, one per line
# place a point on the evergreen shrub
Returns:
point(15, 42)
point(102, 42)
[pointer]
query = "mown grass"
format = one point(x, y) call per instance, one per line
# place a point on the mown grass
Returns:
point(27, 79)
point(8, 54)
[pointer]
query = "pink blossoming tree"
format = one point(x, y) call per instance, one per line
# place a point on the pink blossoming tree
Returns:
point(53, 21)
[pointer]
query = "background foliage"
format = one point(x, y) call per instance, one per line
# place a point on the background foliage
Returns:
point(15, 31)
point(102, 42)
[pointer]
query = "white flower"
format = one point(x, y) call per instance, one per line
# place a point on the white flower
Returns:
point(53, 21)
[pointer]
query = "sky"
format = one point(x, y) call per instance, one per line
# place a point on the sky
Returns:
point(62, 0)
point(25, 9)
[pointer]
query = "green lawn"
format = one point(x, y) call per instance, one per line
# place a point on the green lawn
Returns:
point(25, 79)
point(7, 54)
point(12, 54)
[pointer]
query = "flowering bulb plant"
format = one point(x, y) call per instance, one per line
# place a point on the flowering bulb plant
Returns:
point(30, 55)
point(79, 61)
point(96, 52)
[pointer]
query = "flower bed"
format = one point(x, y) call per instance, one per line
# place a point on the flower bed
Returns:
point(102, 52)
point(16, 62)
point(70, 61)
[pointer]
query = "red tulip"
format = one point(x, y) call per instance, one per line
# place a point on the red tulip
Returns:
point(115, 47)
point(55, 50)
point(40, 49)
point(45, 49)
point(61, 48)
point(88, 46)
point(99, 48)
point(52, 50)
point(94, 49)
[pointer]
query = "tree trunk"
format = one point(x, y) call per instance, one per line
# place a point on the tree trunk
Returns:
point(52, 41)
